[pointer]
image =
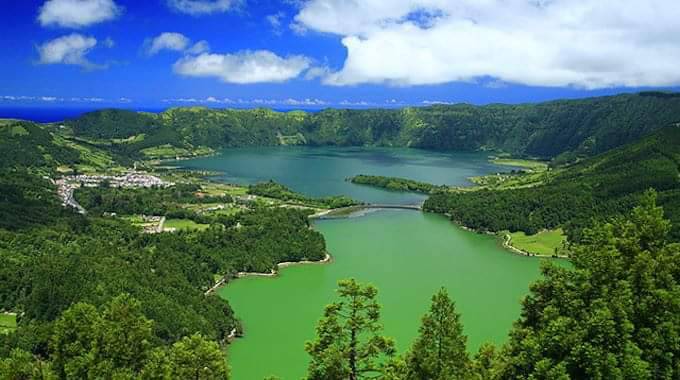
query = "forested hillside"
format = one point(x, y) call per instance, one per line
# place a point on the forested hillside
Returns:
point(564, 129)
point(94, 297)
point(597, 188)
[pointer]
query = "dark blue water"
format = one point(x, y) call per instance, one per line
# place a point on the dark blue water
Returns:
point(54, 114)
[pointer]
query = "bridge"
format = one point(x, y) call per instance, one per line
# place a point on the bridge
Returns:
point(402, 207)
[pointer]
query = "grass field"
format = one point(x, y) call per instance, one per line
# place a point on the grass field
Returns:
point(218, 189)
point(184, 224)
point(8, 323)
point(533, 165)
point(543, 243)
point(170, 151)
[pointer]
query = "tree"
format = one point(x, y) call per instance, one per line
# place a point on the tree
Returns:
point(20, 365)
point(197, 358)
point(157, 366)
point(348, 343)
point(87, 344)
point(439, 352)
point(484, 361)
point(124, 337)
point(73, 339)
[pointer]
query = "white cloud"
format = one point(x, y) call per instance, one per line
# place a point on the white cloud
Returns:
point(356, 103)
point(52, 99)
point(307, 102)
point(199, 47)
point(167, 41)
point(202, 7)
point(582, 43)
point(275, 21)
point(175, 42)
point(243, 67)
point(77, 13)
point(109, 42)
point(434, 102)
point(68, 50)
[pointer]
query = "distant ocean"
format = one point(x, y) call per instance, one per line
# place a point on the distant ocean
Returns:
point(52, 114)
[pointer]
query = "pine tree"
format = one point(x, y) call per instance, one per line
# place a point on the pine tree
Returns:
point(439, 352)
point(348, 343)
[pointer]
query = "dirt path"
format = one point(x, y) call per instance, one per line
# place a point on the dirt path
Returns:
point(507, 244)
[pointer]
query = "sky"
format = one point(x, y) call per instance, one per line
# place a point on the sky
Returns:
point(332, 53)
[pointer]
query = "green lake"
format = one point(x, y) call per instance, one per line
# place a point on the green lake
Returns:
point(407, 255)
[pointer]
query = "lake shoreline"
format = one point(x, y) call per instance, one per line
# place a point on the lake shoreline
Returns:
point(224, 281)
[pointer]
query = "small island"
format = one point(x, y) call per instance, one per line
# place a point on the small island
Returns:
point(397, 184)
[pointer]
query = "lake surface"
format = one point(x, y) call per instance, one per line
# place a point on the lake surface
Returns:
point(407, 255)
point(323, 171)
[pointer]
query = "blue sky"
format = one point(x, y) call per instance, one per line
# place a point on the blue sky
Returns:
point(332, 53)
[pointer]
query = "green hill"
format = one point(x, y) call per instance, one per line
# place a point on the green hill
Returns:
point(25, 144)
point(597, 188)
point(563, 129)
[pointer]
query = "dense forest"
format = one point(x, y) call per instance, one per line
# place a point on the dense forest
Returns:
point(564, 129)
point(613, 314)
point(396, 184)
point(597, 188)
point(169, 201)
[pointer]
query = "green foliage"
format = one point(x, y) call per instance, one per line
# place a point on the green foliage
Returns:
point(615, 315)
point(89, 344)
point(27, 200)
point(116, 343)
point(439, 352)
point(598, 188)
point(112, 123)
point(396, 184)
point(148, 201)
point(21, 365)
point(348, 343)
point(35, 146)
point(193, 357)
point(274, 190)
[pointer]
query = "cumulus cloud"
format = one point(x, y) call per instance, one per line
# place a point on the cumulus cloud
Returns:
point(175, 42)
point(52, 99)
point(77, 13)
point(582, 43)
point(199, 47)
point(69, 50)
point(201, 7)
point(243, 67)
point(167, 41)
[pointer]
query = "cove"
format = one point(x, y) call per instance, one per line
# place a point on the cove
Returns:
point(407, 255)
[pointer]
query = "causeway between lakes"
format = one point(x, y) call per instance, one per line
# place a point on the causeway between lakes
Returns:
point(406, 254)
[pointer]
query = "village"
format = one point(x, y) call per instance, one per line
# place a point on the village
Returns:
point(133, 179)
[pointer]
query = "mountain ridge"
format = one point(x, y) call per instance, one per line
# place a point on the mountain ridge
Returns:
point(562, 130)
